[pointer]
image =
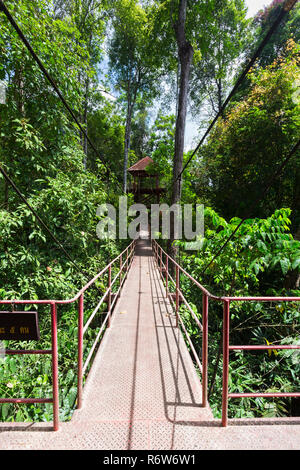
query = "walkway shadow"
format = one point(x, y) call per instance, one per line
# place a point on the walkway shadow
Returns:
point(143, 248)
point(158, 292)
point(26, 427)
point(165, 322)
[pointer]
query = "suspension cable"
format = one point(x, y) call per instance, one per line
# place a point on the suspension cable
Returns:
point(43, 224)
point(43, 69)
point(285, 9)
point(256, 203)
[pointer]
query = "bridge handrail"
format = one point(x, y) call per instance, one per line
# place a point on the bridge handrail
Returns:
point(163, 267)
point(107, 296)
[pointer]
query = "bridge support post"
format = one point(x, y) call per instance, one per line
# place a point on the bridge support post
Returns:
point(109, 297)
point(225, 363)
point(54, 368)
point(177, 294)
point(160, 261)
point(121, 270)
point(167, 277)
point(80, 352)
point(204, 349)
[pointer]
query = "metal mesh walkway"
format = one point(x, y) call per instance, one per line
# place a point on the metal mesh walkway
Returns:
point(143, 373)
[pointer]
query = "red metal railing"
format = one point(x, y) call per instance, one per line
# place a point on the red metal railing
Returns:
point(108, 297)
point(160, 254)
point(52, 351)
point(227, 348)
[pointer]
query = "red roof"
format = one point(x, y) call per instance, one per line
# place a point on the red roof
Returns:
point(141, 164)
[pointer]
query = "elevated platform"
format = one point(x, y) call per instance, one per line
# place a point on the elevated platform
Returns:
point(143, 391)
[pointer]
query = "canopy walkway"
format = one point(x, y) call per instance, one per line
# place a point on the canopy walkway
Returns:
point(146, 388)
point(143, 390)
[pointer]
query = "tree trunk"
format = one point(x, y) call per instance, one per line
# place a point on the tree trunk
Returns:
point(185, 54)
point(220, 93)
point(19, 89)
point(85, 113)
point(131, 99)
point(127, 143)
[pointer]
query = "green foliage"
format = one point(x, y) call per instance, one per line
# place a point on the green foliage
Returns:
point(41, 150)
point(161, 145)
point(251, 142)
point(262, 252)
point(289, 28)
point(255, 262)
point(106, 130)
point(228, 36)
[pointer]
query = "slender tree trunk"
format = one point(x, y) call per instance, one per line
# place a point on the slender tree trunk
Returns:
point(19, 89)
point(131, 100)
point(177, 84)
point(85, 114)
point(185, 54)
point(220, 92)
point(6, 195)
point(127, 143)
point(185, 60)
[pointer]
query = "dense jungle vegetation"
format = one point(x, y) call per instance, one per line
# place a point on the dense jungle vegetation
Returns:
point(132, 71)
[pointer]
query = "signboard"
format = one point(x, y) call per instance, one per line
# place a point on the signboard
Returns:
point(19, 326)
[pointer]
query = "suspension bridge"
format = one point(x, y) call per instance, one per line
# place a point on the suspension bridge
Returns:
point(147, 385)
point(146, 390)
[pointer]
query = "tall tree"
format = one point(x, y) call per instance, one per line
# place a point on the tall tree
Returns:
point(185, 56)
point(89, 17)
point(212, 74)
point(140, 129)
point(288, 28)
point(33, 113)
point(253, 140)
point(134, 63)
point(184, 26)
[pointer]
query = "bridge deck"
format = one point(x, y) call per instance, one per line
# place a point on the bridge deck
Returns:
point(143, 391)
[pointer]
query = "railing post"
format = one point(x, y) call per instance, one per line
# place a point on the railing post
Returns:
point(121, 269)
point(225, 362)
point(126, 260)
point(80, 352)
point(54, 367)
point(160, 261)
point(177, 294)
point(204, 348)
point(109, 296)
point(167, 277)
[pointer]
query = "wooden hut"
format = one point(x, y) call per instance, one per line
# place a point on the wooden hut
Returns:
point(145, 185)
